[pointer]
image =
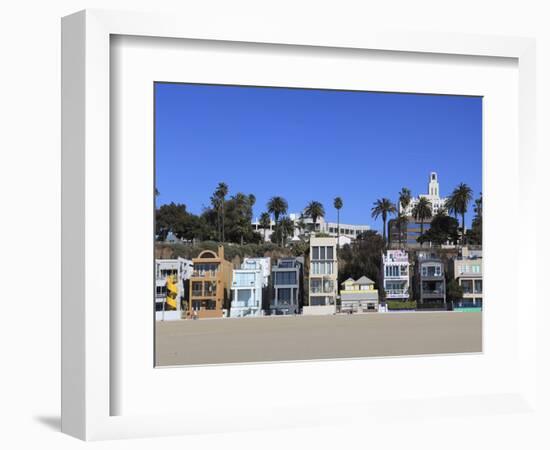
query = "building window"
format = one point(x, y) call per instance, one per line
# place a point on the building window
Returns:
point(431, 271)
point(315, 253)
point(161, 291)
point(330, 252)
point(318, 301)
point(284, 296)
point(316, 285)
point(244, 296)
point(467, 287)
point(322, 252)
point(322, 268)
point(196, 288)
point(478, 286)
point(244, 278)
point(285, 277)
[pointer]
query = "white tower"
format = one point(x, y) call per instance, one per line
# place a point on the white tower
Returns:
point(433, 186)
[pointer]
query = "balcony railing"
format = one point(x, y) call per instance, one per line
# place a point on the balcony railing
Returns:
point(205, 274)
point(396, 292)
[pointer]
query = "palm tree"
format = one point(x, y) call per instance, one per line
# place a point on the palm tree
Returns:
point(265, 222)
point(383, 207)
point(422, 211)
point(458, 204)
point(404, 202)
point(218, 202)
point(287, 228)
point(404, 199)
point(314, 210)
point(338, 204)
point(277, 206)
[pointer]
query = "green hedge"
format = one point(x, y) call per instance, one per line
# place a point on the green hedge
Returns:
point(401, 305)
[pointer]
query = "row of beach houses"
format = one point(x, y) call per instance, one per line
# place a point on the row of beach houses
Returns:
point(209, 287)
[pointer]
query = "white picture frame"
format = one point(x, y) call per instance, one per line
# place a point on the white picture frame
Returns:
point(87, 325)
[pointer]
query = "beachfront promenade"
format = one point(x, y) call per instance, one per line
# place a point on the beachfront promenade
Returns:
point(287, 338)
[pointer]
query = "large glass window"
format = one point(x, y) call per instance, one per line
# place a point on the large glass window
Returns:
point(244, 296)
point(206, 269)
point(284, 296)
point(478, 286)
point(315, 253)
point(318, 301)
point(467, 287)
point(285, 277)
point(328, 286)
point(322, 268)
point(316, 285)
point(196, 288)
point(209, 288)
point(330, 252)
point(431, 271)
point(244, 278)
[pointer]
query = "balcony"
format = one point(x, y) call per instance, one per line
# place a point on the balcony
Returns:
point(205, 274)
point(397, 293)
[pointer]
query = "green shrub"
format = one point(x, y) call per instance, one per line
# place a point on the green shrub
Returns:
point(393, 304)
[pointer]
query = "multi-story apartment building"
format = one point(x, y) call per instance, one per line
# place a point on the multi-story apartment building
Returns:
point(467, 269)
point(248, 286)
point(287, 276)
point(430, 282)
point(209, 284)
point(358, 296)
point(395, 275)
point(171, 278)
point(304, 225)
point(323, 276)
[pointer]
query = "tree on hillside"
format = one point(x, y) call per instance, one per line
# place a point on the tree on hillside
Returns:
point(454, 291)
point(175, 218)
point(218, 204)
point(457, 204)
point(361, 257)
point(475, 235)
point(421, 212)
point(314, 210)
point(404, 198)
point(277, 206)
point(443, 229)
point(238, 222)
point(265, 222)
point(287, 229)
point(383, 207)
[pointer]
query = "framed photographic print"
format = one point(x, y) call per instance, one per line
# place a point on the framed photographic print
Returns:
point(266, 228)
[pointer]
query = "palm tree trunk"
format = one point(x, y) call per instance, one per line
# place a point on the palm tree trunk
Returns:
point(338, 234)
point(463, 230)
point(223, 223)
point(384, 231)
point(421, 231)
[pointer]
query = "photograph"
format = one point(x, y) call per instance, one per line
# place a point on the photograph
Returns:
point(296, 224)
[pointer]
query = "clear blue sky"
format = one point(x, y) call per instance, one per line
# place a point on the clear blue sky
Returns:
point(305, 144)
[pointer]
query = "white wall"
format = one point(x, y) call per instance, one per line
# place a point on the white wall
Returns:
point(30, 186)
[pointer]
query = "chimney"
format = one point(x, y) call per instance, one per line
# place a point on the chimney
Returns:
point(220, 252)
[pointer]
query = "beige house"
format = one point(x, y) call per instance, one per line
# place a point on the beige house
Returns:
point(323, 276)
point(468, 271)
point(209, 285)
point(358, 296)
